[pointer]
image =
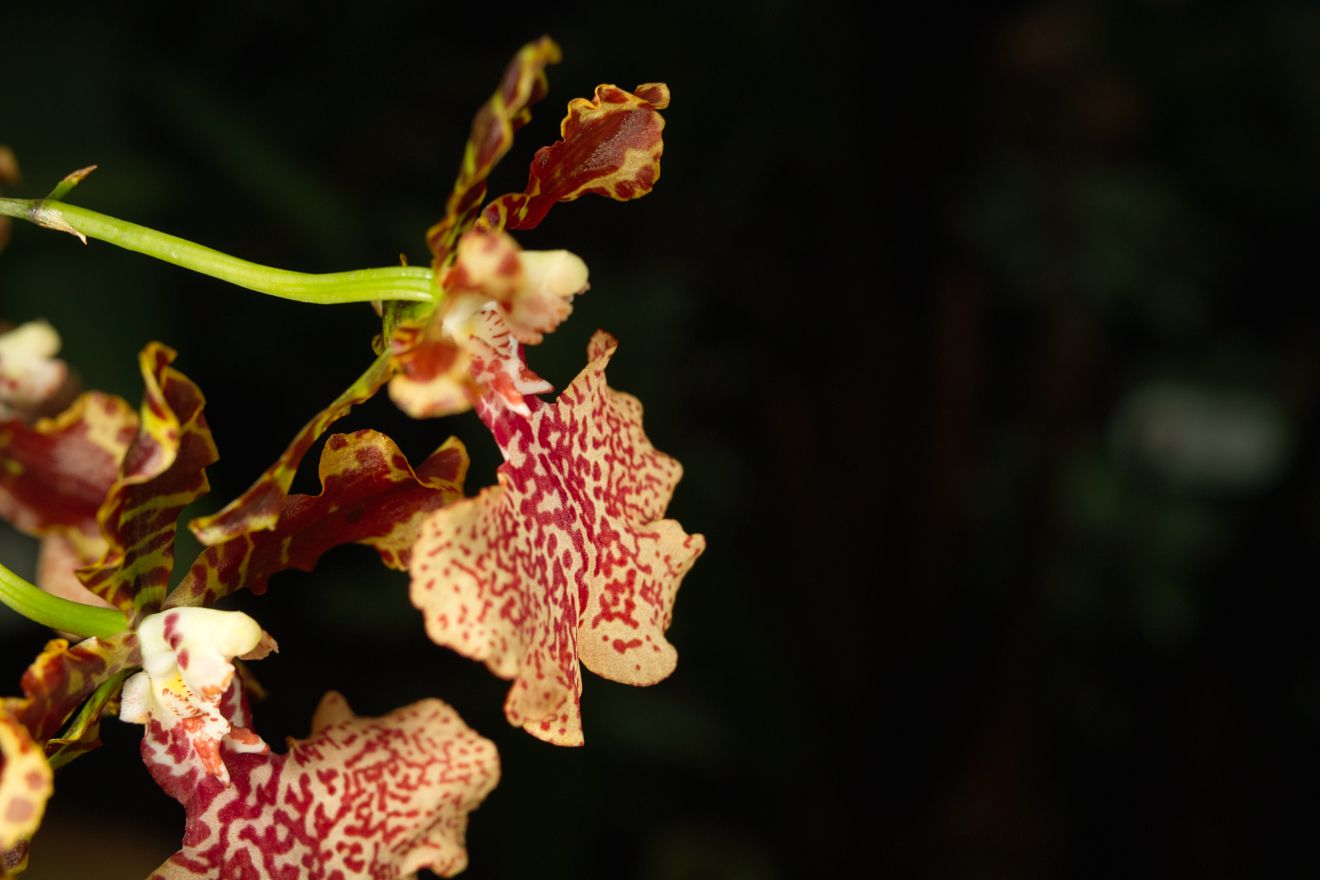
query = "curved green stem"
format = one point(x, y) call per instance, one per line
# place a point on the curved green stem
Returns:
point(36, 604)
point(411, 283)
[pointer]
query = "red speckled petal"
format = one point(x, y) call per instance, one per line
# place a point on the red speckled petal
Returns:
point(259, 508)
point(566, 559)
point(360, 797)
point(493, 128)
point(611, 146)
point(370, 495)
point(25, 786)
point(163, 471)
point(489, 589)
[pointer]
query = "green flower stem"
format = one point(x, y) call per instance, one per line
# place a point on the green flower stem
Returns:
point(411, 283)
point(36, 604)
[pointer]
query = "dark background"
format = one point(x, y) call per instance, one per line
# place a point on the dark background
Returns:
point(988, 340)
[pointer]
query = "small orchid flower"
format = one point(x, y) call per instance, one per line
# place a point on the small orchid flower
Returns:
point(496, 297)
point(187, 666)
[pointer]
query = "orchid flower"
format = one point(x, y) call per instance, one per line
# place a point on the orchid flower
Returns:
point(187, 666)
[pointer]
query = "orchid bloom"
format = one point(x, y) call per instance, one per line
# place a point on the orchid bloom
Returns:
point(496, 297)
point(187, 666)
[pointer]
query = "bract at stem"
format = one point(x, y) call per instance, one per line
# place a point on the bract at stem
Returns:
point(37, 605)
point(409, 283)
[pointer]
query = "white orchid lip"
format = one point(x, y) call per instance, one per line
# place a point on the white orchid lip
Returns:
point(187, 666)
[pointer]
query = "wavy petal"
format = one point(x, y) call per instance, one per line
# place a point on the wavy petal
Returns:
point(163, 471)
point(611, 146)
point(369, 495)
point(566, 559)
point(63, 676)
point(360, 797)
point(493, 128)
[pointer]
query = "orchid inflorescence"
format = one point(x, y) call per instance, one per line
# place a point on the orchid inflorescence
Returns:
point(566, 561)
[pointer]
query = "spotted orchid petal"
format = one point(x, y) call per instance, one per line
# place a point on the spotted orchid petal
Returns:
point(25, 786)
point(567, 560)
point(162, 472)
point(509, 109)
point(369, 495)
point(187, 666)
point(360, 797)
point(30, 374)
point(610, 146)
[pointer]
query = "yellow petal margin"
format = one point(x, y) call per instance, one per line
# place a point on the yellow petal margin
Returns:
point(25, 786)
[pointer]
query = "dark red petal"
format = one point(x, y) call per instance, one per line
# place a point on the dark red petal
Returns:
point(163, 471)
point(55, 474)
point(611, 147)
point(370, 495)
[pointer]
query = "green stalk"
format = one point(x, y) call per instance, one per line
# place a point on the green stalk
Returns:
point(37, 605)
point(411, 283)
